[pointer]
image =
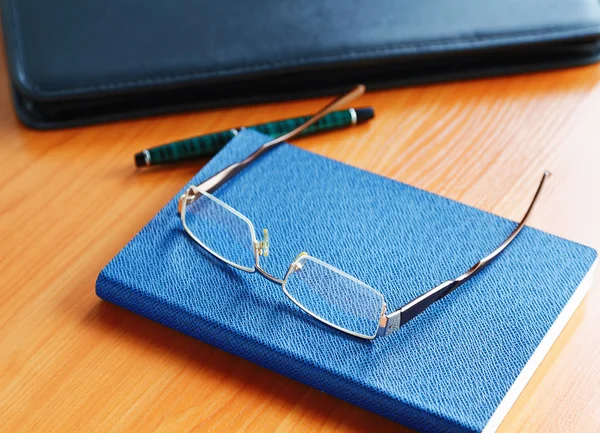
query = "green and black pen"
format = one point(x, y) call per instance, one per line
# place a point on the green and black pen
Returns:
point(207, 145)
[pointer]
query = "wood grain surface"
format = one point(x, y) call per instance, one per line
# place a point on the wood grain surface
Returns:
point(71, 199)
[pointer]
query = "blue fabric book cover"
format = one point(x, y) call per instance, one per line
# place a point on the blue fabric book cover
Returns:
point(458, 367)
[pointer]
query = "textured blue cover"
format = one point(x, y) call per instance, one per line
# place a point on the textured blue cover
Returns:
point(447, 370)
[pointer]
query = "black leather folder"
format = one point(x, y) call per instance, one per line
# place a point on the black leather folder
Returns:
point(75, 62)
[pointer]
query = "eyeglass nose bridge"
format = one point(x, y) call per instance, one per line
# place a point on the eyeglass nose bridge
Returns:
point(261, 248)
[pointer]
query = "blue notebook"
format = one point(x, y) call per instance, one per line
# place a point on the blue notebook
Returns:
point(456, 368)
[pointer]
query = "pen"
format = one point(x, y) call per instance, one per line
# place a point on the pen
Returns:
point(207, 145)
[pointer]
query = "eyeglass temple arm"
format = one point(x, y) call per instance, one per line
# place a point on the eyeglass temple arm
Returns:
point(420, 304)
point(210, 185)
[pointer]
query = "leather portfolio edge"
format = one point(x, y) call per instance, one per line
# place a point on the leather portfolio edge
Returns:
point(581, 41)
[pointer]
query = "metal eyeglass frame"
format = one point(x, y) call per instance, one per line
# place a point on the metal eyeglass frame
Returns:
point(388, 323)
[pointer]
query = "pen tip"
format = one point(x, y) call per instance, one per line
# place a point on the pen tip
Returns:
point(363, 114)
point(140, 159)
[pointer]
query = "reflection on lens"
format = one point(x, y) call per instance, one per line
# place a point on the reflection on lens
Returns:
point(221, 230)
point(334, 297)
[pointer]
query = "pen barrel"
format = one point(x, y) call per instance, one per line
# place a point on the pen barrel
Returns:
point(190, 148)
point(207, 145)
point(335, 120)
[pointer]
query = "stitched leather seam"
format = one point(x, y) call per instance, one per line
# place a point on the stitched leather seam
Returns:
point(403, 48)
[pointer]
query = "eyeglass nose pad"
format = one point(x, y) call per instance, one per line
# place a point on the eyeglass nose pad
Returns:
point(263, 245)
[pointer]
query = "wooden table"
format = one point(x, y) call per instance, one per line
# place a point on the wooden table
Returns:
point(71, 199)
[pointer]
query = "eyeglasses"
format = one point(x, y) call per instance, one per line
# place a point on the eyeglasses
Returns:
point(325, 292)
